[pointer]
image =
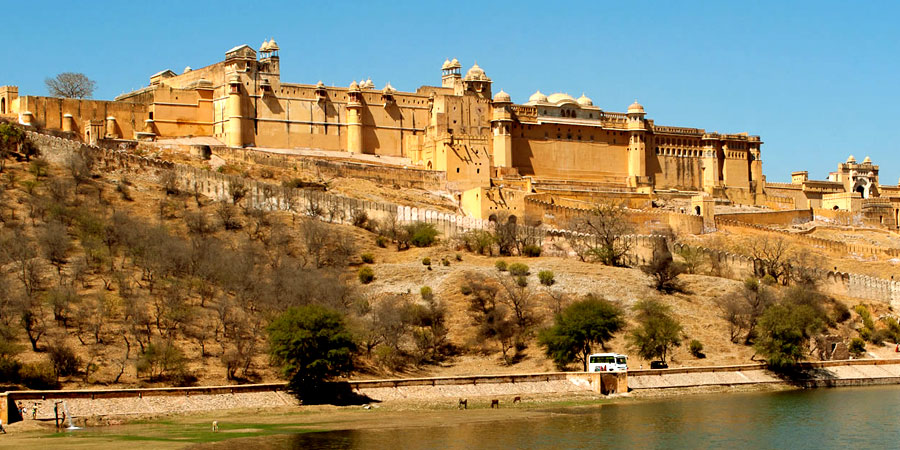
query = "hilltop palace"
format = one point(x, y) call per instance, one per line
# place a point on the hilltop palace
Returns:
point(494, 153)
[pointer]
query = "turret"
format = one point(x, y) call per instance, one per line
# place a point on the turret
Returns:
point(637, 146)
point(450, 73)
point(234, 130)
point(477, 82)
point(354, 119)
point(501, 122)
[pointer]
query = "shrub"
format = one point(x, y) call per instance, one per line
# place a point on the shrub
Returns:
point(38, 376)
point(518, 269)
point(465, 289)
point(458, 257)
point(63, 359)
point(162, 360)
point(696, 348)
point(422, 234)
point(366, 275)
point(521, 281)
point(445, 262)
point(500, 265)
point(360, 219)
point(546, 277)
point(368, 258)
point(841, 312)
point(478, 241)
point(769, 280)
point(381, 241)
point(857, 347)
point(426, 293)
point(531, 250)
point(426, 261)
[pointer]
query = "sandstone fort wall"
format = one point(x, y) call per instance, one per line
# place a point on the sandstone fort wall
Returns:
point(340, 209)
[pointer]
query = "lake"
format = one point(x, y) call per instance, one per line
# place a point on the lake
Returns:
point(865, 417)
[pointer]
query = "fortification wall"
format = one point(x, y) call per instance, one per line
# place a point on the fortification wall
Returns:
point(339, 209)
point(332, 168)
point(848, 284)
point(783, 218)
point(747, 197)
point(48, 113)
point(560, 212)
point(825, 244)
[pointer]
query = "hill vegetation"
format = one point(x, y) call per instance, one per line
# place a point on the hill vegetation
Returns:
point(128, 279)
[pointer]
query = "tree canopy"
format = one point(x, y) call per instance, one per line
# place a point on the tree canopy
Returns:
point(70, 85)
point(579, 327)
point(657, 333)
point(313, 346)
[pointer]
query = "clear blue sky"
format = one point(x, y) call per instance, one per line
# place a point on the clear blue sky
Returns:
point(816, 80)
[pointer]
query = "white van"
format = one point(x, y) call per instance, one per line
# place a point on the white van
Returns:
point(607, 362)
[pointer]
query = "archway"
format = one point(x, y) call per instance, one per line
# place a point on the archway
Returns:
point(2, 106)
point(512, 219)
point(836, 207)
point(697, 209)
point(861, 190)
point(492, 218)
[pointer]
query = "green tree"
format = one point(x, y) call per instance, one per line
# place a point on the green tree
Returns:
point(11, 137)
point(784, 329)
point(658, 332)
point(312, 345)
point(579, 327)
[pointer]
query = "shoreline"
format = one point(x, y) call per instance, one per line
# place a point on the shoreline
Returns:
point(420, 404)
point(193, 429)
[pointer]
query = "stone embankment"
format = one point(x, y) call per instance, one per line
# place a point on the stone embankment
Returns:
point(99, 406)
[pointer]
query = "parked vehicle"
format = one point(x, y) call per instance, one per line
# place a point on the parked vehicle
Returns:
point(658, 365)
point(607, 362)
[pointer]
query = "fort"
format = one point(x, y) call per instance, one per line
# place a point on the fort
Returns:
point(495, 156)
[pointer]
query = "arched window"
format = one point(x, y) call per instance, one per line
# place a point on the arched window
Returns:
point(2, 106)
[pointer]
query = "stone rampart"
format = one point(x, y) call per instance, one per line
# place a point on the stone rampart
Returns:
point(817, 242)
point(553, 211)
point(783, 218)
point(325, 167)
point(831, 282)
point(340, 209)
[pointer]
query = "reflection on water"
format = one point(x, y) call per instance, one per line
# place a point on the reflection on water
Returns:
point(814, 419)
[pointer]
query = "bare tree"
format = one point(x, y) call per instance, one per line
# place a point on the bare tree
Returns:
point(70, 85)
point(603, 235)
point(743, 307)
point(772, 255)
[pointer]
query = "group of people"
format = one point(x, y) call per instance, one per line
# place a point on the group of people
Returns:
point(24, 410)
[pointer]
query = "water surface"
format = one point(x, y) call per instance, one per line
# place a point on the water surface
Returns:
point(841, 418)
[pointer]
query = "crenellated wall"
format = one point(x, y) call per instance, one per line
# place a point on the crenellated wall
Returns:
point(340, 209)
point(782, 218)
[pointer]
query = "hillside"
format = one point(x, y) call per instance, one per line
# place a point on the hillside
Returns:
point(134, 281)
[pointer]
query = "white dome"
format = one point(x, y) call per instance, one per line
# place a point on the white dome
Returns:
point(851, 159)
point(476, 74)
point(585, 101)
point(446, 64)
point(635, 108)
point(538, 97)
point(559, 98)
point(867, 160)
point(502, 97)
